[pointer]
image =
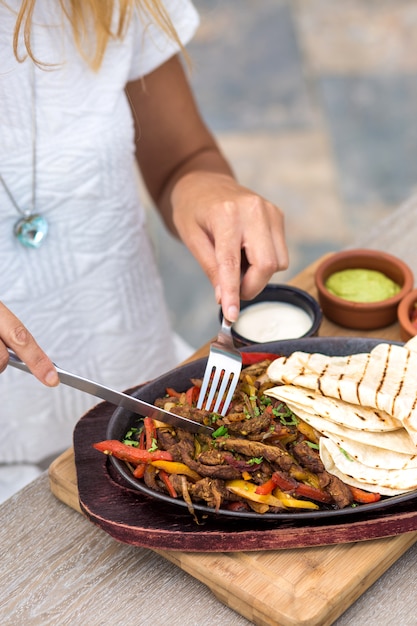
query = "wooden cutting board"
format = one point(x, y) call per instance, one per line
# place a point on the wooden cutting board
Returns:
point(282, 587)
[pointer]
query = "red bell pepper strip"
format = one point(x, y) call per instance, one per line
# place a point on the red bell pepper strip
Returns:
point(191, 395)
point(168, 484)
point(364, 497)
point(142, 444)
point(283, 482)
point(150, 431)
point(312, 493)
point(129, 453)
point(301, 489)
point(237, 506)
point(266, 488)
point(173, 393)
point(249, 358)
point(139, 470)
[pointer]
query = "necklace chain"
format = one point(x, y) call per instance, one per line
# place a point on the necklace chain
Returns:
point(31, 228)
point(34, 129)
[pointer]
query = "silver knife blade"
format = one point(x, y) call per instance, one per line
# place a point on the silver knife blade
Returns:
point(119, 399)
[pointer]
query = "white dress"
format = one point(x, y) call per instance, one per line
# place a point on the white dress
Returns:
point(91, 295)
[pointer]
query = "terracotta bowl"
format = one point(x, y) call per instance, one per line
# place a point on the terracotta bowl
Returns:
point(406, 306)
point(363, 315)
point(287, 294)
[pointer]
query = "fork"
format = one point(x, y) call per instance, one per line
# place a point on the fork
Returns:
point(222, 372)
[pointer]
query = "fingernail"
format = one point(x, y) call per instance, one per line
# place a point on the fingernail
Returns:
point(232, 313)
point(52, 379)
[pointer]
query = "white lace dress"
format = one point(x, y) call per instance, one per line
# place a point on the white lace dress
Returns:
point(91, 295)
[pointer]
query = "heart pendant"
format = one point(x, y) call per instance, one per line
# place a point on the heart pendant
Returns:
point(31, 230)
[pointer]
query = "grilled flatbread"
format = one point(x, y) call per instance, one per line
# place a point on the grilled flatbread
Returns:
point(384, 379)
point(396, 440)
point(352, 472)
point(372, 455)
point(338, 411)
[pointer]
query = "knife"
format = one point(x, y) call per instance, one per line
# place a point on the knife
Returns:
point(119, 399)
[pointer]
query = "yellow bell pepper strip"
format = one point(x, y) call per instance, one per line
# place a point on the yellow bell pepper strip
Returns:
point(364, 497)
point(304, 476)
point(247, 490)
point(128, 453)
point(308, 431)
point(174, 467)
point(293, 503)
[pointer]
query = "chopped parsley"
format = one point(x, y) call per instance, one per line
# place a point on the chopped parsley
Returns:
point(220, 432)
point(285, 415)
point(154, 445)
point(346, 454)
point(256, 460)
point(131, 437)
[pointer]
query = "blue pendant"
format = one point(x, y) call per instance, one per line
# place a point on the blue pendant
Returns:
point(31, 230)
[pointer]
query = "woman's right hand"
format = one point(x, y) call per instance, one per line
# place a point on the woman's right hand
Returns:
point(14, 335)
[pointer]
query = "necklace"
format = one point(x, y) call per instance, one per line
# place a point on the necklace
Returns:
point(31, 228)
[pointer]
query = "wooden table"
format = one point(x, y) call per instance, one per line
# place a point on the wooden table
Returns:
point(57, 568)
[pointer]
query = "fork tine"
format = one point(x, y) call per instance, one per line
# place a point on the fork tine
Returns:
point(224, 380)
point(214, 383)
point(206, 381)
point(229, 382)
point(233, 384)
point(222, 372)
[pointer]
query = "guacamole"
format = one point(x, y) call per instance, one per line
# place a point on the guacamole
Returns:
point(361, 285)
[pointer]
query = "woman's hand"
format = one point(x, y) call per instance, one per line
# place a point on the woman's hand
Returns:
point(195, 191)
point(14, 335)
point(236, 235)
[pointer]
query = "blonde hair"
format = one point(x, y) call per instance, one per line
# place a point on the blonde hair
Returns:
point(82, 14)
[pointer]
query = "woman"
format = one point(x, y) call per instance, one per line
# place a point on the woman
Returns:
point(84, 87)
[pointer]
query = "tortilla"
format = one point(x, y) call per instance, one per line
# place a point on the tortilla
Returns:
point(372, 455)
point(376, 480)
point(384, 379)
point(343, 413)
point(397, 440)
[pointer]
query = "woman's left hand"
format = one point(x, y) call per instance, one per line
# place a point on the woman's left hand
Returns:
point(236, 235)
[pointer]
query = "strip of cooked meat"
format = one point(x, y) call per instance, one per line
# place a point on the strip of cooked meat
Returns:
point(273, 454)
point(308, 457)
point(225, 472)
point(198, 415)
point(211, 491)
point(150, 478)
point(213, 457)
point(254, 425)
point(166, 439)
point(339, 491)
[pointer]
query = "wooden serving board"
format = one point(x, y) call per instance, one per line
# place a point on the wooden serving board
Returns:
point(280, 587)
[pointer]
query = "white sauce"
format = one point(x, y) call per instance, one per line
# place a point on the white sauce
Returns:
point(271, 321)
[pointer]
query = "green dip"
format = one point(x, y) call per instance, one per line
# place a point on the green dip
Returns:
point(361, 285)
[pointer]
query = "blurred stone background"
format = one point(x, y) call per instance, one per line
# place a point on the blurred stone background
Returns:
point(315, 104)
